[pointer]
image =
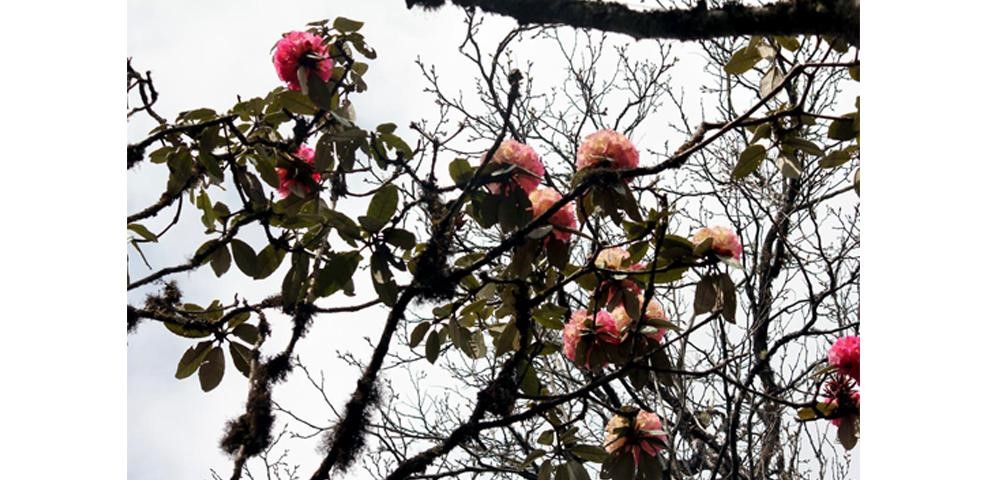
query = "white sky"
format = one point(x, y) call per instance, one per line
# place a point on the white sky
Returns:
point(202, 54)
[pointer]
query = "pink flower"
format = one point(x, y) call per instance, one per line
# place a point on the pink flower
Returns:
point(653, 312)
point(840, 391)
point(287, 181)
point(611, 258)
point(844, 356)
point(607, 148)
point(529, 167)
point(854, 397)
point(301, 49)
point(725, 243)
point(579, 329)
point(563, 219)
point(645, 436)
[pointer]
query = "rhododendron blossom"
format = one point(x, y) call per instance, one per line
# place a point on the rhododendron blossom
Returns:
point(653, 311)
point(287, 182)
point(725, 243)
point(854, 404)
point(844, 356)
point(646, 435)
point(580, 330)
point(562, 220)
point(301, 49)
point(607, 148)
point(611, 258)
point(529, 168)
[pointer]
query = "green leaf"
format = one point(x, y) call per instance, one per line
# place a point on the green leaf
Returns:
point(247, 332)
point(591, 453)
point(842, 129)
point(268, 261)
point(770, 81)
point(338, 270)
point(241, 356)
point(211, 371)
point(741, 61)
point(220, 261)
point(727, 289)
point(318, 91)
point(507, 339)
point(433, 346)
point(856, 182)
point(761, 132)
point(323, 159)
point(854, 72)
point(346, 25)
point(805, 146)
point(572, 470)
point(143, 232)
point(187, 331)
point(296, 102)
point(383, 204)
point(238, 319)
point(192, 359)
point(400, 238)
point(749, 160)
point(460, 172)
point(294, 281)
point(546, 470)
point(834, 159)
point(788, 42)
point(545, 438)
point(244, 257)
point(704, 295)
point(848, 432)
point(418, 333)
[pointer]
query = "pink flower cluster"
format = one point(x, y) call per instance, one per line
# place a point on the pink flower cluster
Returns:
point(844, 356)
point(609, 328)
point(653, 312)
point(840, 390)
point(562, 220)
point(607, 148)
point(612, 259)
point(593, 334)
point(287, 181)
point(301, 49)
point(645, 435)
point(725, 243)
point(529, 167)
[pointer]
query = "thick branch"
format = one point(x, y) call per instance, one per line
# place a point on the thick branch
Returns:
point(800, 17)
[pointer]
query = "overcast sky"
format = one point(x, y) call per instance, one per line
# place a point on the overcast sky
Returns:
point(203, 54)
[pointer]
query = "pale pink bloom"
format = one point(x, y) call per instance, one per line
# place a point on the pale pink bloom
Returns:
point(607, 148)
point(285, 182)
point(614, 441)
point(725, 243)
point(563, 219)
point(653, 311)
point(572, 333)
point(645, 437)
point(844, 356)
point(301, 49)
point(578, 329)
point(611, 258)
point(529, 168)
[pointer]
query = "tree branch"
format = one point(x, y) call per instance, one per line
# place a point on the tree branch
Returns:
point(838, 18)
